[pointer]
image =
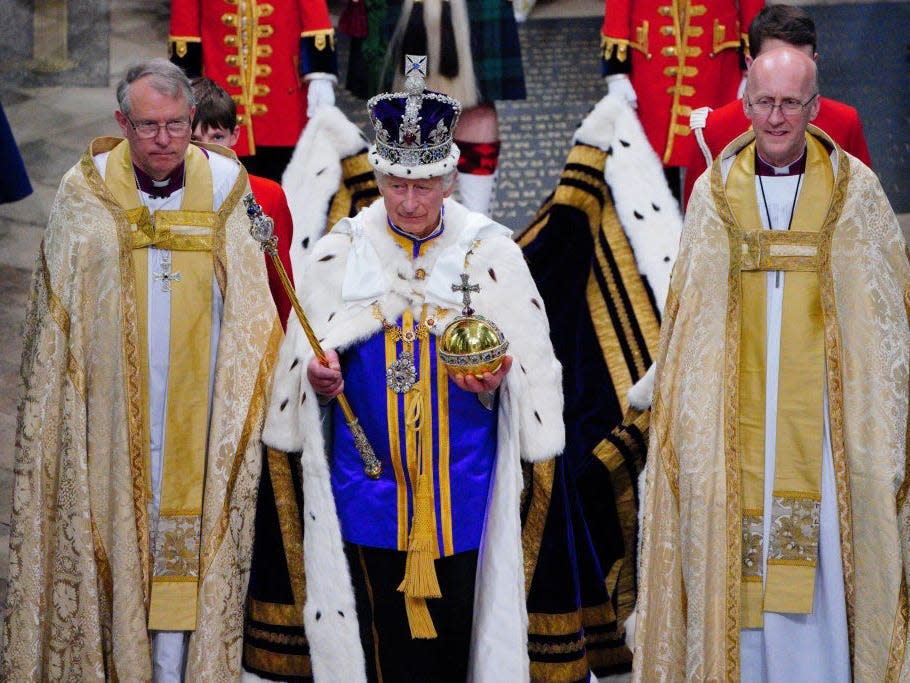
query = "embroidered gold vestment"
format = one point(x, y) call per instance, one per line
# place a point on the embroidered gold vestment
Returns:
point(689, 606)
point(80, 561)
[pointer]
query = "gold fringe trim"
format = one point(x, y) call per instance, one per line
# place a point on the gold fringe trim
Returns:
point(420, 578)
point(731, 427)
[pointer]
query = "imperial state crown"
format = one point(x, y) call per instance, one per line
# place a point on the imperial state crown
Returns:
point(414, 129)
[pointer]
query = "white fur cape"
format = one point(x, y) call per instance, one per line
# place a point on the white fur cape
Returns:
point(314, 174)
point(530, 427)
point(646, 208)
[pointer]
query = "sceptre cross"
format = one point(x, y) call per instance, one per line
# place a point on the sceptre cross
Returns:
point(465, 288)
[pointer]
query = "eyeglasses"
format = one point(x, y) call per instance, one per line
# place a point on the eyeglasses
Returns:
point(789, 107)
point(149, 129)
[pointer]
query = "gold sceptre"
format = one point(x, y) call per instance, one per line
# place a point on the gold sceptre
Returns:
point(262, 230)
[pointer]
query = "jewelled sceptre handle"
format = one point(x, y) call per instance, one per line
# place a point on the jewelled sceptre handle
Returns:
point(261, 228)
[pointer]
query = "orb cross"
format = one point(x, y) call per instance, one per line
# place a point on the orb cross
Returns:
point(465, 288)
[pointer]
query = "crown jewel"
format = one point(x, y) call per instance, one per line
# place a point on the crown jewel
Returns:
point(414, 128)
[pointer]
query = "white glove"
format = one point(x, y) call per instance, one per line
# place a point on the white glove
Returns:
point(621, 86)
point(741, 90)
point(320, 92)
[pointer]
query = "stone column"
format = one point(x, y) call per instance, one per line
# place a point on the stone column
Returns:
point(54, 42)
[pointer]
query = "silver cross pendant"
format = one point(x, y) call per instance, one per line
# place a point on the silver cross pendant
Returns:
point(165, 276)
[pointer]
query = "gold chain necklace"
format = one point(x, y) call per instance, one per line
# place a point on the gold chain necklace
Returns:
point(401, 375)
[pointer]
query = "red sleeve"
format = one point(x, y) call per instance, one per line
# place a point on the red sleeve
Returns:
point(185, 20)
point(617, 19)
point(271, 198)
point(314, 16)
point(842, 122)
point(184, 41)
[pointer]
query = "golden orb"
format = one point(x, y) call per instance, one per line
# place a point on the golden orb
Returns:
point(472, 345)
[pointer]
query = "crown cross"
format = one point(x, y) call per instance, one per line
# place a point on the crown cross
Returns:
point(465, 288)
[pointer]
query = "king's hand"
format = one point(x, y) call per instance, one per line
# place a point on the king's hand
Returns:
point(326, 380)
point(487, 382)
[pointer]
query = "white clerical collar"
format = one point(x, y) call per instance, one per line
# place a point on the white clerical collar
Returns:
point(160, 188)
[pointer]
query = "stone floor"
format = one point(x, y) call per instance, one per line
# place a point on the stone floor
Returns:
point(54, 123)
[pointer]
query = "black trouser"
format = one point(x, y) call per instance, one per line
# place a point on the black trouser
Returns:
point(392, 656)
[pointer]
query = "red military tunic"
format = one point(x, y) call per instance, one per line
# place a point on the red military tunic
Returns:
point(257, 51)
point(680, 55)
point(840, 121)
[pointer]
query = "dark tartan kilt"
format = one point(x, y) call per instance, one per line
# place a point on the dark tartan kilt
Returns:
point(495, 48)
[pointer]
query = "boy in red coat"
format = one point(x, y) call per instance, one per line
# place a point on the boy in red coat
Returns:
point(215, 121)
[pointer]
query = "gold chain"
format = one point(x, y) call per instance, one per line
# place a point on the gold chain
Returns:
point(421, 329)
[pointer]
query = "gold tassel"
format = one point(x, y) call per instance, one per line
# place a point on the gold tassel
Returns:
point(419, 618)
point(420, 580)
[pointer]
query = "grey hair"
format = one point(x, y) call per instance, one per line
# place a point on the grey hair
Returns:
point(166, 78)
point(448, 178)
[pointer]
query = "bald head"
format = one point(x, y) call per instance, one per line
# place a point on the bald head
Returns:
point(783, 62)
point(780, 100)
